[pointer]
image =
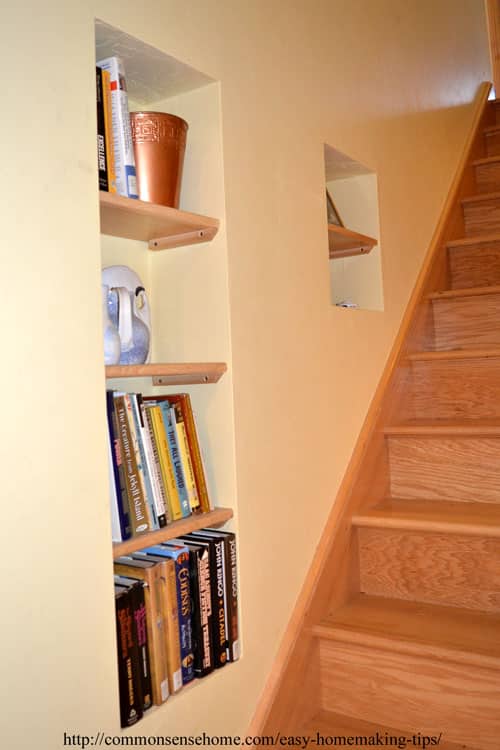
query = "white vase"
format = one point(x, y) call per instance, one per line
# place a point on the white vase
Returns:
point(111, 337)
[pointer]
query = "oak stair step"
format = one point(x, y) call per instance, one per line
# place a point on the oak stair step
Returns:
point(481, 213)
point(326, 725)
point(474, 261)
point(487, 173)
point(452, 633)
point(445, 516)
point(448, 427)
point(454, 354)
point(466, 318)
point(492, 139)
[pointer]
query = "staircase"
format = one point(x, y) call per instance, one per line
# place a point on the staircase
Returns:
point(398, 628)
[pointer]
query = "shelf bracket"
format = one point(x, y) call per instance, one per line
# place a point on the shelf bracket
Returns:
point(186, 238)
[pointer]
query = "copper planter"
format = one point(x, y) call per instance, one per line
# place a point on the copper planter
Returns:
point(159, 146)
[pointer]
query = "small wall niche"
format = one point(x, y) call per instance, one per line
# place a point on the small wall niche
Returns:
point(354, 248)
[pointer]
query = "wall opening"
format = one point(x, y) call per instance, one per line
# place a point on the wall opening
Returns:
point(354, 250)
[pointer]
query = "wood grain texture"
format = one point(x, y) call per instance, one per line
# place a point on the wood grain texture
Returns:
point(425, 695)
point(171, 373)
point(481, 214)
point(456, 388)
point(463, 636)
point(455, 570)
point(330, 728)
point(492, 140)
point(488, 174)
point(474, 264)
point(467, 322)
point(447, 516)
point(464, 469)
point(446, 427)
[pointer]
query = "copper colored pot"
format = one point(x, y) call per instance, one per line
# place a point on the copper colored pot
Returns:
point(159, 146)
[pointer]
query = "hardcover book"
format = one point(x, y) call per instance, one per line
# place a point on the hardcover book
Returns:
point(128, 660)
point(118, 468)
point(102, 161)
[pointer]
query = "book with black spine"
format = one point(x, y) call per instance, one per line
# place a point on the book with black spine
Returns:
point(129, 679)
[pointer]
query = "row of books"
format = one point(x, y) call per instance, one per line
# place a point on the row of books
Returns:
point(176, 617)
point(115, 149)
point(155, 463)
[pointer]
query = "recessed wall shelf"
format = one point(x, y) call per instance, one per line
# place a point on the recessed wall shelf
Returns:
point(344, 243)
point(160, 226)
point(184, 373)
point(215, 517)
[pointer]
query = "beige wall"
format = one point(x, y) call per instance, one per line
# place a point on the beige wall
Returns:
point(390, 84)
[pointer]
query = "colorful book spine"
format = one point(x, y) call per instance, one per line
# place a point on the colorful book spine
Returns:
point(128, 671)
point(118, 468)
point(139, 512)
point(187, 464)
point(126, 182)
point(163, 507)
point(102, 165)
point(141, 457)
point(180, 555)
point(166, 465)
point(175, 457)
point(108, 129)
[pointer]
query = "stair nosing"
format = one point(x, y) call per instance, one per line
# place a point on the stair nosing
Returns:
point(486, 160)
point(474, 291)
point(465, 428)
point(481, 197)
point(479, 239)
point(453, 354)
point(491, 129)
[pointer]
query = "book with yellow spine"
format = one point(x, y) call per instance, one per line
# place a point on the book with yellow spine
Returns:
point(166, 466)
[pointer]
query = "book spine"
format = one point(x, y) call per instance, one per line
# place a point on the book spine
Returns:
point(101, 133)
point(137, 503)
point(194, 447)
point(204, 663)
point(108, 129)
point(231, 558)
point(139, 613)
point(220, 606)
point(167, 469)
point(116, 532)
point(141, 457)
point(128, 677)
point(126, 182)
point(163, 508)
point(187, 464)
point(171, 618)
point(118, 468)
point(168, 421)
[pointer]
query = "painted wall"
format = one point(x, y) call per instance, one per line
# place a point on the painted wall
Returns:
point(389, 83)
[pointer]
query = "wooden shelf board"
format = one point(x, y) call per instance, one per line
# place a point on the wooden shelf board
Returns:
point(344, 243)
point(213, 518)
point(162, 227)
point(183, 373)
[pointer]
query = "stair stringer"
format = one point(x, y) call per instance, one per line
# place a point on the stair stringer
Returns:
point(291, 695)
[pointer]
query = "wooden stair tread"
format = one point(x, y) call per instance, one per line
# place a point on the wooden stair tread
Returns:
point(479, 239)
point(491, 129)
point(432, 630)
point(477, 291)
point(445, 516)
point(454, 354)
point(331, 724)
point(437, 427)
point(486, 160)
point(481, 197)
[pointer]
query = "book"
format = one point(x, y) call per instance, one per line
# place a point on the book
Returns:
point(201, 606)
point(118, 468)
point(126, 181)
point(187, 464)
point(184, 401)
point(102, 161)
point(170, 613)
point(166, 465)
point(143, 465)
point(128, 661)
point(163, 506)
point(108, 129)
point(180, 555)
point(175, 457)
point(139, 511)
point(152, 575)
point(116, 532)
point(231, 570)
point(140, 634)
point(218, 593)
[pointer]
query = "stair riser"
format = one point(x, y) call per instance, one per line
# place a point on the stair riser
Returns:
point(492, 141)
point(488, 178)
point(475, 265)
point(455, 389)
point(482, 217)
point(449, 569)
point(467, 322)
point(445, 468)
point(415, 694)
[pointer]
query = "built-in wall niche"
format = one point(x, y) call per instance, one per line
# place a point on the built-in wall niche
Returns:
point(353, 233)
